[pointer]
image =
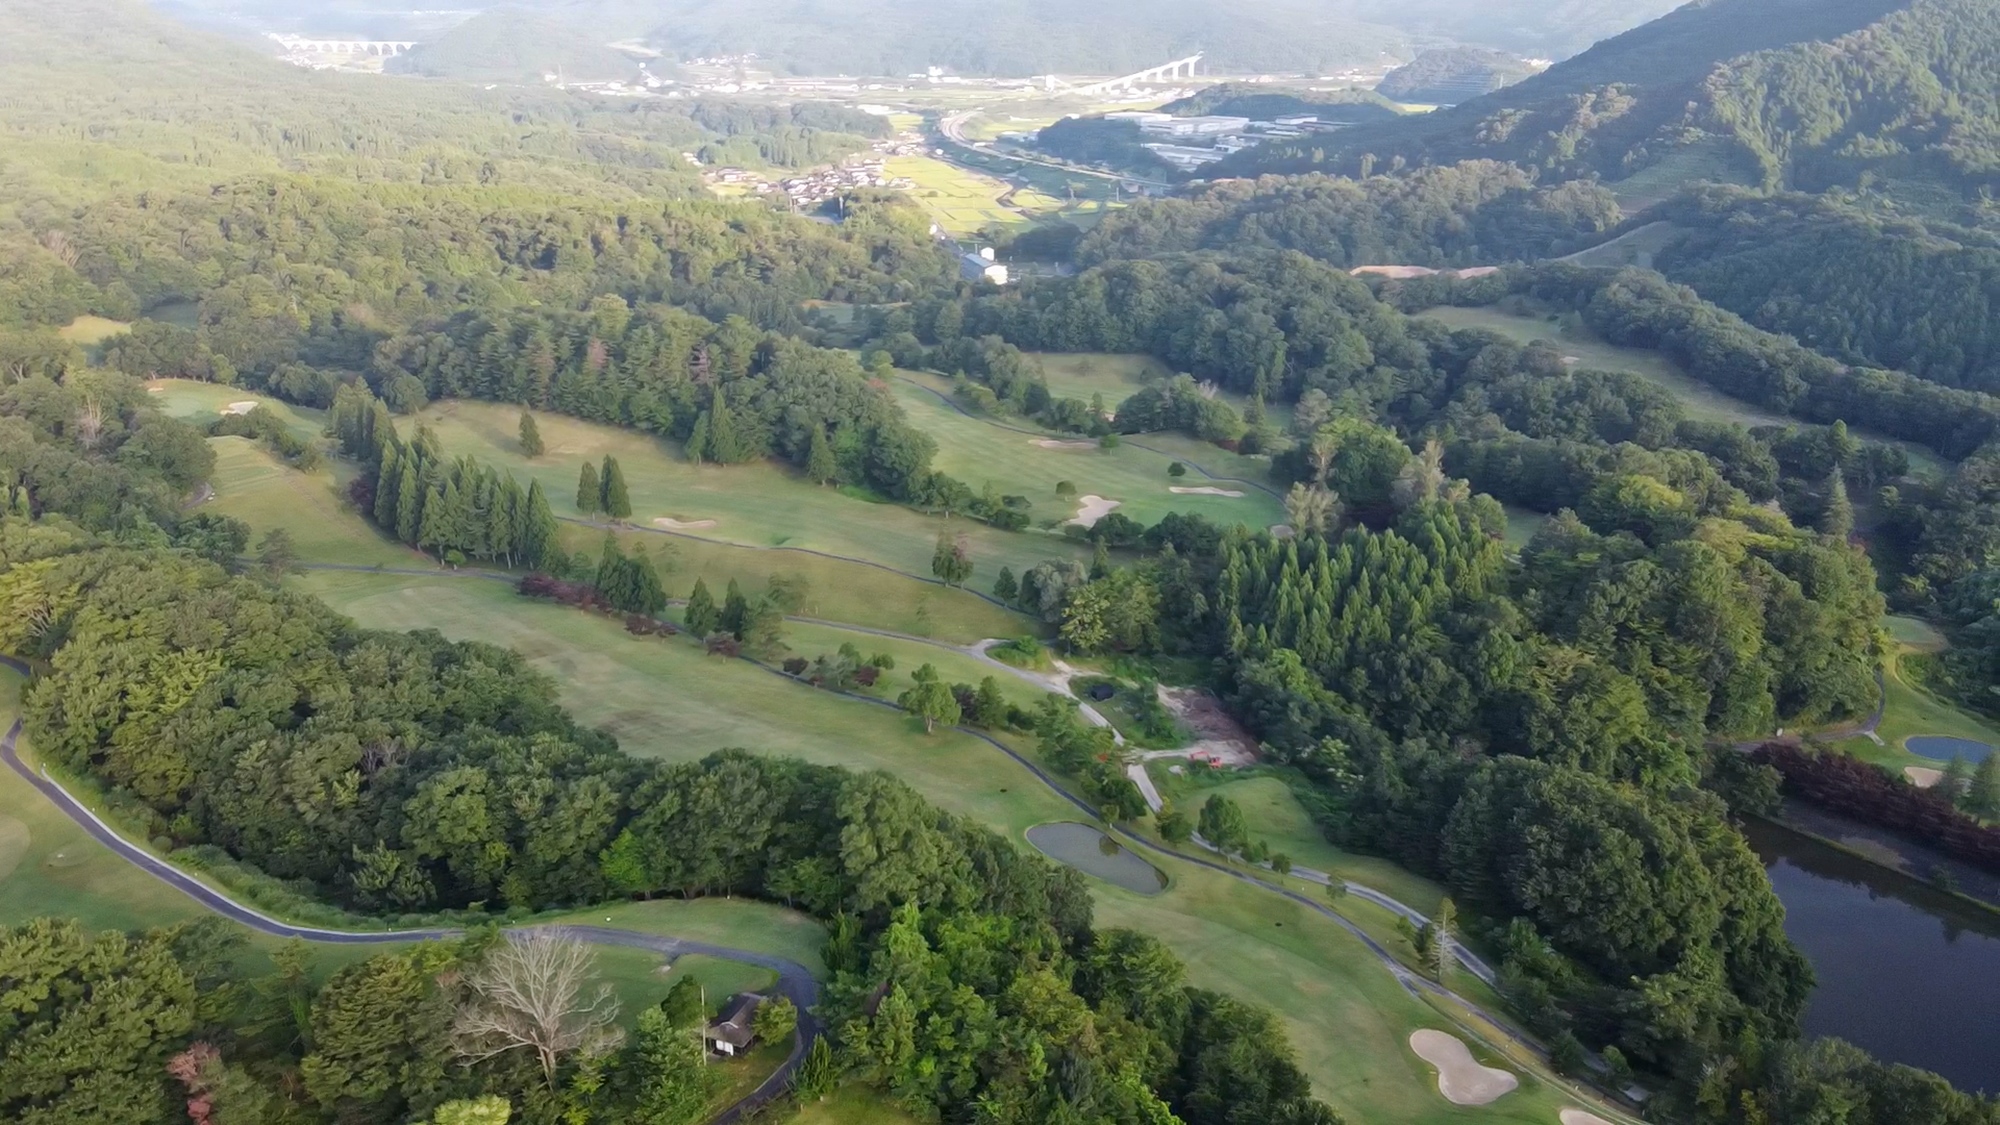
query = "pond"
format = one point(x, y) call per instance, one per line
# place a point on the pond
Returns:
point(1093, 853)
point(1908, 973)
point(1944, 748)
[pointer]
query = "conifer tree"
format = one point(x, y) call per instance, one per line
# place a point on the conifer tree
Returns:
point(697, 443)
point(589, 494)
point(821, 466)
point(538, 536)
point(1953, 779)
point(617, 501)
point(1100, 561)
point(723, 448)
point(1837, 522)
point(531, 436)
point(1982, 796)
point(409, 502)
point(431, 526)
point(700, 615)
point(387, 481)
point(735, 611)
point(1438, 959)
point(1005, 587)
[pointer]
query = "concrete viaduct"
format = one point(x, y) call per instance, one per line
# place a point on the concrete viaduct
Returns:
point(1165, 72)
point(302, 45)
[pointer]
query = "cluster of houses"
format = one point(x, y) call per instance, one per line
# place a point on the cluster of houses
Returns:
point(1188, 143)
point(810, 189)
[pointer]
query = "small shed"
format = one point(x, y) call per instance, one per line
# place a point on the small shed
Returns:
point(734, 1029)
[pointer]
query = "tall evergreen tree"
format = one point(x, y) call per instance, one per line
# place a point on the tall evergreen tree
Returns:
point(821, 465)
point(531, 436)
point(697, 443)
point(409, 502)
point(387, 481)
point(735, 611)
point(538, 541)
point(1982, 796)
point(589, 494)
point(1837, 522)
point(700, 616)
point(617, 501)
point(724, 447)
point(1005, 587)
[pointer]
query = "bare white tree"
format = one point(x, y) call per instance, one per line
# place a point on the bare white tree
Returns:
point(1312, 511)
point(537, 990)
point(90, 424)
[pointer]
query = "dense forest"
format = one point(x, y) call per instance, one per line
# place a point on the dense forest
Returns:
point(402, 774)
point(1879, 290)
point(1449, 75)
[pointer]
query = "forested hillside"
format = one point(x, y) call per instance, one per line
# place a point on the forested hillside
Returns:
point(1771, 93)
point(509, 45)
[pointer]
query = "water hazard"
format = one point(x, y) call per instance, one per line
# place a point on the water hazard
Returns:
point(1093, 853)
point(1909, 974)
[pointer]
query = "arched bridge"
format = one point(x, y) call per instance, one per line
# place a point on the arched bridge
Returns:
point(299, 44)
point(1165, 72)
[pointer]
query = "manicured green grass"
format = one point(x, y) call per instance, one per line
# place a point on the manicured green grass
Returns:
point(1912, 710)
point(1522, 525)
point(758, 505)
point(663, 698)
point(1701, 401)
point(1915, 633)
point(86, 331)
point(952, 667)
point(1276, 817)
point(980, 452)
point(835, 589)
point(641, 978)
point(59, 869)
point(738, 923)
point(255, 486)
point(851, 1104)
point(1348, 1019)
point(202, 403)
point(1083, 374)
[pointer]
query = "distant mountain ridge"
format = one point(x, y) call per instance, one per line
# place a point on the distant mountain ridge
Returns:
point(1802, 94)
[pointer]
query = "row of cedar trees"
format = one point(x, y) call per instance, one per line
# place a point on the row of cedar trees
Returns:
point(458, 508)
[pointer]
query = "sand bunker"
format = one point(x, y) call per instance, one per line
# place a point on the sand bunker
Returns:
point(1922, 777)
point(1461, 1079)
point(1205, 490)
point(1581, 1117)
point(1052, 443)
point(244, 407)
point(1281, 531)
point(1092, 508)
point(1404, 273)
point(665, 524)
point(14, 841)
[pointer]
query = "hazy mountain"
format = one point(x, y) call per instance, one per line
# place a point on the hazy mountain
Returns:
point(1804, 93)
point(1449, 75)
point(509, 45)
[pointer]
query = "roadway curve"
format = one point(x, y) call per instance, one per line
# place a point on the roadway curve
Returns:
point(795, 981)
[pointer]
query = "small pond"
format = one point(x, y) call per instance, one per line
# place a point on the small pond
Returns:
point(1093, 853)
point(1908, 973)
point(1944, 748)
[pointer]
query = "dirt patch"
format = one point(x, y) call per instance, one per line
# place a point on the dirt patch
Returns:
point(1218, 738)
point(1052, 443)
point(1205, 490)
point(666, 524)
point(1582, 1117)
point(14, 841)
point(1922, 777)
point(1876, 851)
point(1091, 508)
point(244, 407)
point(1461, 1078)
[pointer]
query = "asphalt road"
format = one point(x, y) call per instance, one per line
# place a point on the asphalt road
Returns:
point(795, 981)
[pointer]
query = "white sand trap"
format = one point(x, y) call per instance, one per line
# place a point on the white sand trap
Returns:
point(1092, 508)
point(666, 524)
point(1581, 1117)
point(1461, 1078)
point(1052, 443)
point(244, 407)
point(1281, 531)
point(1205, 490)
point(1922, 777)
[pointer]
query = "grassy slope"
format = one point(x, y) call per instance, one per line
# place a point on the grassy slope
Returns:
point(757, 505)
point(980, 452)
point(202, 403)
